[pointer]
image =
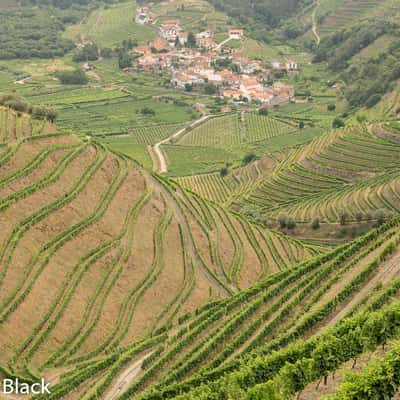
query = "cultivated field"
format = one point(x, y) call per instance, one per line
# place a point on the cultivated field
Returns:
point(115, 255)
point(109, 26)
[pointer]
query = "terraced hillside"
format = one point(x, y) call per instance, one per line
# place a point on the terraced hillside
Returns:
point(15, 126)
point(332, 16)
point(98, 257)
point(353, 169)
point(239, 345)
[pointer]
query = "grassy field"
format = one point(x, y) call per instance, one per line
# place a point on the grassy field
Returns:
point(131, 148)
point(109, 26)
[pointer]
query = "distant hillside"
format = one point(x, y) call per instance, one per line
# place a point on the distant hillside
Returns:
point(261, 16)
point(370, 76)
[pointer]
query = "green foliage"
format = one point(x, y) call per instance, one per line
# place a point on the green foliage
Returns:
point(75, 77)
point(338, 123)
point(89, 52)
point(147, 111)
point(224, 171)
point(32, 32)
point(210, 89)
point(248, 158)
point(315, 224)
point(368, 80)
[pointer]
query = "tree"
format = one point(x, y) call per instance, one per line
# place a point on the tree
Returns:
point(124, 60)
point(291, 223)
point(380, 216)
point(210, 89)
point(52, 115)
point(191, 41)
point(89, 52)
point(338, 123)
point(106, 52)
point(301, 125)
point(147, 111)
point(282, 220)
point(75, 77)
point(343, 216)
point(315, 224)
point(373, 100)
point(223, 171)
point(263, 111)
point(331, 107)
point(248, 158)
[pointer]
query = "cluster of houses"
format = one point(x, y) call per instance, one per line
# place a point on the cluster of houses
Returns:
point(247, 85)
point(191, 67)
point(143, 16)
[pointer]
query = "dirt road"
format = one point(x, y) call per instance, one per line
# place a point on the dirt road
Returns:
point(314, 22)
point(162, 163)
point(125, 379)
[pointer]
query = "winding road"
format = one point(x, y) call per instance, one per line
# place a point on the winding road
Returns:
point(162, 162)
point(314, 22)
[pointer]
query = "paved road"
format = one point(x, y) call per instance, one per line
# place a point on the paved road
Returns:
point(162, 162)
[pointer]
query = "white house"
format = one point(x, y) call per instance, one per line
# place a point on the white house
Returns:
point(236, 33)
point(291, 66)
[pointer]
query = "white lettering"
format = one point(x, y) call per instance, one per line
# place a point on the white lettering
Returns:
point(13, 386)
point(8, 387)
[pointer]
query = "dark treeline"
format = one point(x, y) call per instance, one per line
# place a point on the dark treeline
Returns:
point(33, 28)
point(27, 33)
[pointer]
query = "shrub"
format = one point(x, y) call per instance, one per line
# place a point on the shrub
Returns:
point(282, 220)
point(210, 89)
point(315, 223)
point(380, 217)
point(291, 223)
point(373, 100)
point(263, 111)
point(223, 171)
point(331, 107)
point(147, 111)
point(248, 158)
point(338, 123)
point(343, 216)
point(75, 77)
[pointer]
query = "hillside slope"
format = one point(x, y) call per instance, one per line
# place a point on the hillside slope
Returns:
point(105, 255)
point(352, 170)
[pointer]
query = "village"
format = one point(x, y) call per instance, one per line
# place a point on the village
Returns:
point(195, 62)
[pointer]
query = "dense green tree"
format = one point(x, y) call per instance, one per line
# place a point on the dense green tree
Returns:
point(75, 77)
